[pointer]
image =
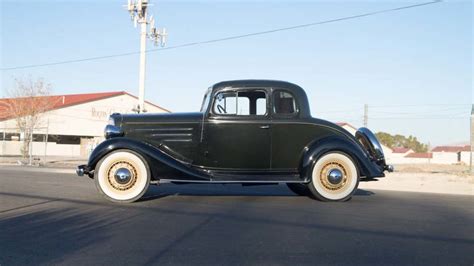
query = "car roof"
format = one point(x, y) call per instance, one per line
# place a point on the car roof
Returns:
point(257, 82)
point(297, 91)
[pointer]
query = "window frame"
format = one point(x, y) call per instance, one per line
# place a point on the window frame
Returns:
point(206, 101)
point(237, 90)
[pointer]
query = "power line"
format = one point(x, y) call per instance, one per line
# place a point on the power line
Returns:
point(419, 105)
point(338, 111)
point(432, 117)
point(446, 111)
point(228, 38)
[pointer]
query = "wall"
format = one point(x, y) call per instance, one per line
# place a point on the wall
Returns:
point(466, 157)
point(13, 148)
point(445, 157)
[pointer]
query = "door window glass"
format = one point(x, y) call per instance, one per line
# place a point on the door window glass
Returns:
point(241, 103)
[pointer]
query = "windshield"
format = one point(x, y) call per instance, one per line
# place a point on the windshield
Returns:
point(206, 100)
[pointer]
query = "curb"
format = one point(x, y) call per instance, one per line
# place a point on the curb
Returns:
point(38, 169)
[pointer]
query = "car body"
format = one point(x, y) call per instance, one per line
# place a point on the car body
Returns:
point(247, 131)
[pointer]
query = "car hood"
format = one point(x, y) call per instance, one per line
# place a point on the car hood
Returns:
point(165, 117)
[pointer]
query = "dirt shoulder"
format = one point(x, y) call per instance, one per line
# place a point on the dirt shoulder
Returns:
point(454, 169)
point(424, 182)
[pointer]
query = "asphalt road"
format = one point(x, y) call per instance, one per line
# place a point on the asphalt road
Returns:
point(57, 218)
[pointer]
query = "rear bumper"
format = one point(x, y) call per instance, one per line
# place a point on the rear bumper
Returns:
point(84, 170)
point(380, 172)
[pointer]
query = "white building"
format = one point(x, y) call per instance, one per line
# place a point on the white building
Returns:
point(452, 154)
point(73, 125)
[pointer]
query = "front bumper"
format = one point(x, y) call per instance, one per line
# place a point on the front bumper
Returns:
point(389, 168)
point(84, 170)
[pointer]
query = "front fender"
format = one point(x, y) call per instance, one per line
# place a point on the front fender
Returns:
point(317, 149)
point(159, 162)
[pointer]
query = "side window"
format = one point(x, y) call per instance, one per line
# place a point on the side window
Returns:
point(284, 103)
point(261, 106)
point(241, 103)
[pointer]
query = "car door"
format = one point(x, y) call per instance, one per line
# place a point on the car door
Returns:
point(237, 130)
point(288, 134)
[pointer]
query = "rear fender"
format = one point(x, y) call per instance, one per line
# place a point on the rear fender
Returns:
point(318, 148)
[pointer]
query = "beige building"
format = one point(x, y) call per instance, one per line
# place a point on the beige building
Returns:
point(72, 126)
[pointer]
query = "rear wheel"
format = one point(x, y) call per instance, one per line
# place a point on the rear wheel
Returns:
point(334, 177)
point(122, 176)
point(299, 189)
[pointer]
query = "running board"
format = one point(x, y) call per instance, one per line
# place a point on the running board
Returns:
point(229, 181)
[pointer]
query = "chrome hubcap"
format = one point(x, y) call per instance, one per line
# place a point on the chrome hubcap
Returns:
point(334, 176)
point(122, 176)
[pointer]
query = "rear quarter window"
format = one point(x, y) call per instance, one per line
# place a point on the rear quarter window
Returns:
point(284, 103)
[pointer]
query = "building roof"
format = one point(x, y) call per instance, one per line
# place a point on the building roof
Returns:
point(451, 148)
point(61, 101)
point(400, 150)
point(426, 155)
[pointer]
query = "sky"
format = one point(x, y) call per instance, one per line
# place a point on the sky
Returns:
point(412, 67)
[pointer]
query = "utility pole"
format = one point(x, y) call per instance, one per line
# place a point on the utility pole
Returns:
point(139, 15)
point(31, 147)
point(4, 136)
point(142, 74)
point(46, 143)
point(366, 114)
point(471, 169)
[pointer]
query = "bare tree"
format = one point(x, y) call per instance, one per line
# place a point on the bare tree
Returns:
point(27, 103)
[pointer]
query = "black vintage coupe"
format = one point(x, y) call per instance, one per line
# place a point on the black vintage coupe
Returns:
point(248, 132)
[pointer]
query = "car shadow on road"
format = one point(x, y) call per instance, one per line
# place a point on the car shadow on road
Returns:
point(363, 192)
point(46, 236)
point(369, 180)
point(162, 191)
point(70, 225)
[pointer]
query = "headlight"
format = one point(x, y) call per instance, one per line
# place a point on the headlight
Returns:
point(112, 131)
point(111, 121)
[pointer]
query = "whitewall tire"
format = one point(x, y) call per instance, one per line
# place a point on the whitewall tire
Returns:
point(334, 177)
point(122, 176)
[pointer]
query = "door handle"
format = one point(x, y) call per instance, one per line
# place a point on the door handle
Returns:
point(265, 127)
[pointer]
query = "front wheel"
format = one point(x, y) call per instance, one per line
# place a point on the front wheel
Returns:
point(122, 176)
point(334, 177)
